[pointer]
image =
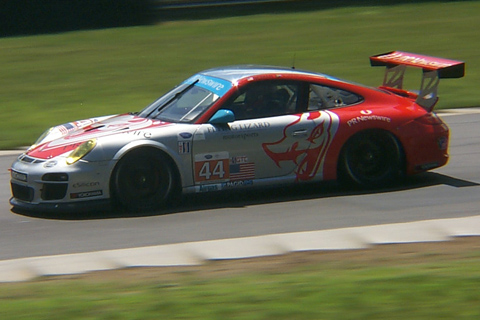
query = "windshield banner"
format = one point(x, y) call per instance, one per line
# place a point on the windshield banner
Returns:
point(215, 85)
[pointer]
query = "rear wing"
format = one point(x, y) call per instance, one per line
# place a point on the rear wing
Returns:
point(433, 68)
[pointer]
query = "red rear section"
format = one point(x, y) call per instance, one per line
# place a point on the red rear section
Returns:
point(425, 141)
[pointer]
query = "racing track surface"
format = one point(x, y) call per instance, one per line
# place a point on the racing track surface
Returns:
point(449, 192)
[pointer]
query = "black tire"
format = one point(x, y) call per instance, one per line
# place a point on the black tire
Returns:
point(143, 180)
point(371, 159)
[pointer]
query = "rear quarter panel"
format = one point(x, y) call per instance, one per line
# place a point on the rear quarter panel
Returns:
point(381, 111)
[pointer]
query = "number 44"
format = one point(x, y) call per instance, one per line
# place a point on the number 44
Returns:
point(212, 170)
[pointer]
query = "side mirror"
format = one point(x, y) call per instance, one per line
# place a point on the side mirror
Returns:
point(222, 116)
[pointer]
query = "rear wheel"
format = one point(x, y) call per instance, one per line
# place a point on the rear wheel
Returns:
point(142, 181)
point(371, 159)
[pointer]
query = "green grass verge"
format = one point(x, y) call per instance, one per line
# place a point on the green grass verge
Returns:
point(331, 290)
point(51, 79)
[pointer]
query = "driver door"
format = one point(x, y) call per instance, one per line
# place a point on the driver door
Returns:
point(268, 140)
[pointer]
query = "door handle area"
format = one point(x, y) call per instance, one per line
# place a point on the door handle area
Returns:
point(300, 133)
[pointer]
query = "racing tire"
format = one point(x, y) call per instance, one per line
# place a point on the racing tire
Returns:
point(371, 159)
point(143, 180)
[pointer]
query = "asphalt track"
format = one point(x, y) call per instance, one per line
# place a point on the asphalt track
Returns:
point(449, 192)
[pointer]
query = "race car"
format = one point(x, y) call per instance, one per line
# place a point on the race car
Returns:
point(238, 127)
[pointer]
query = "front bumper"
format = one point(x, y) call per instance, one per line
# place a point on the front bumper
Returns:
point(52, 185)
point(62, 207)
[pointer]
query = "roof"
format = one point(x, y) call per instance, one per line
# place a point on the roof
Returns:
point(237, 72)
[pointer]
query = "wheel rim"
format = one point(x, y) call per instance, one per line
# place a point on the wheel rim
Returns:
point(143, 182)
point(372, 159)
point(368, 160)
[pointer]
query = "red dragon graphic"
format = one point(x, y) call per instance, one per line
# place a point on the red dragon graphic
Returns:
point(308, 160)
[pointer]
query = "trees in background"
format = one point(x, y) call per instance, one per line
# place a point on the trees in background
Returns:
point(22, 17)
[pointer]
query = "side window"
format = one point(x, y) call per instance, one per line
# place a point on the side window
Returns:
point(265, 99)
point(324, 97)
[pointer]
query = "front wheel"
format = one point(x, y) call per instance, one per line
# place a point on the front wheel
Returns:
point(142, 181)
point(371, 159)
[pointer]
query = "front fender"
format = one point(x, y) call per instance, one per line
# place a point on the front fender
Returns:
point(182, 164)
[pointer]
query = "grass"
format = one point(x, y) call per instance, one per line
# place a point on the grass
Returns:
point(52, 79)
point(345, 289)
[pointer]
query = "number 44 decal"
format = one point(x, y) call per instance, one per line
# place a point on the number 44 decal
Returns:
point(212, 167)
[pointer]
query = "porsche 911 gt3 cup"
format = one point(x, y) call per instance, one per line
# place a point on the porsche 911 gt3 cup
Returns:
point(238, 127)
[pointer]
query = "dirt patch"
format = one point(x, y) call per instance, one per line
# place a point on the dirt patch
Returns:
point(384, 255)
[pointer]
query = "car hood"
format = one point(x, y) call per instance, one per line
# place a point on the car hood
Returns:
point(65, 138)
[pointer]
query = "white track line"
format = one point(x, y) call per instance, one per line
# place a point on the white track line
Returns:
point(197, 253)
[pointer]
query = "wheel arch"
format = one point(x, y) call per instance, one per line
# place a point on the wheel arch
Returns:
point(168, 154)
point(341, 152)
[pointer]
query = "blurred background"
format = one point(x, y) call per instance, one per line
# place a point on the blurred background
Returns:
point(65, 60)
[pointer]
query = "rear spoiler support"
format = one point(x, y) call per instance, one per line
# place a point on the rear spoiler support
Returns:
point(433, 68)
point(427, 98)
point(394, 76)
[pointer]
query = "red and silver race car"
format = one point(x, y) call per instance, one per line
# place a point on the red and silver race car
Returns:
point(242, 126)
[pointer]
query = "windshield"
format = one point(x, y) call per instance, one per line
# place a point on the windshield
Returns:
point(187, 101)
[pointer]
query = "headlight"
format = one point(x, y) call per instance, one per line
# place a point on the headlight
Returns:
point(81, 151)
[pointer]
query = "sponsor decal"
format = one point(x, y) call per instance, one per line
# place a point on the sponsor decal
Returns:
point(416, 59)
point(87, 194)
point(139, 133)
point(369, 117)
point(243, 136)
point(185, 135)
point(236, 130)
point(215, 85)
point(239, 159)
point(117, 124)
point(244, 126)
point(208, 188)
point(86, 184)
point(86, 122)
point(237, 184)
point(184, 147)
point(184, 144)
point(250, 125)
point(309, 160)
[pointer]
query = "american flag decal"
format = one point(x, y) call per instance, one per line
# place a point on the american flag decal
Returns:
point(65, 128)
point(242, 171)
